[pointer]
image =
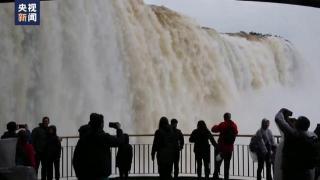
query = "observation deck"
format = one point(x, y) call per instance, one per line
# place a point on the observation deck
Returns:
point(143, 168)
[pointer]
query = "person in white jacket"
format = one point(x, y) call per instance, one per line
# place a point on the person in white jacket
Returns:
point(265, 149)
point(286, 114)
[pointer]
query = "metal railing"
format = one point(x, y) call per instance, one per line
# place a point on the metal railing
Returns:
point(241, 164)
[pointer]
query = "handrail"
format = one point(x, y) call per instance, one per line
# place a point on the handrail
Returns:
point(148, 135)
point(241, 165)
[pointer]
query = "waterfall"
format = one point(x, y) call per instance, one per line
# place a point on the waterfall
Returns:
point(133, 63)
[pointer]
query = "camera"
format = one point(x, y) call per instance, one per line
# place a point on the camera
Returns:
point(115, 125)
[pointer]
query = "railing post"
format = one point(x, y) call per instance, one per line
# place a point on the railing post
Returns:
point(62, 162)
point(67, 158)
point(71, 160)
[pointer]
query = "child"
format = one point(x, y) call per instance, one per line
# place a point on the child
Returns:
point(124, 157)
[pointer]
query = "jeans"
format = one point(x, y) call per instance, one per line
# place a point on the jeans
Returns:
point(205, 157)
point(56, 165)
point(261, 160)
point(41, 158)
point(176, 163)
point(226, 157)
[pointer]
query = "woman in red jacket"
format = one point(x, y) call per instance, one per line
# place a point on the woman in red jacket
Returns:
point(25, 154)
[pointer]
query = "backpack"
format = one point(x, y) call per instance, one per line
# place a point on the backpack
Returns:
point(229, 135)
point(254, 144)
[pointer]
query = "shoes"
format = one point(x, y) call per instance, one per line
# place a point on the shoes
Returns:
point(216, 177)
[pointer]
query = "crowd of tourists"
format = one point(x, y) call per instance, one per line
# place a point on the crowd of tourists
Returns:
point(41, 146)
point(296, 157)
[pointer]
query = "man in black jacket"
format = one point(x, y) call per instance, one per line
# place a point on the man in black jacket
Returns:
point(163, 147)
point(92, 155)
point(39, 140)
point(53, 153)
point(179, 141)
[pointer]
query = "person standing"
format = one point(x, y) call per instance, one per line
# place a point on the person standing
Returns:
point(228, 131)
point(179, 143)
point(25, 154)
point(200, 138)
point(164, 146)
point(39, 137)
point(11, 130)
point(299, 155)
point(287, 116)
point(92, 155)
point(124, 157)
point(317, 172)
point(265, 148)
point(53, 153)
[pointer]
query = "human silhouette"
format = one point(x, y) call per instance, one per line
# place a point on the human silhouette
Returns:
point(228, 131)
point(11, 130)
point(25, 153)
point(53, 153)
point(39, 140)
point(265, 149)
point(317, 172)
point(201, 137)
point(179, 143)
point(83, 130)
point(124, 157)
point(92, 155)
point(277, 175)
point(298, 153)
point(164, 146)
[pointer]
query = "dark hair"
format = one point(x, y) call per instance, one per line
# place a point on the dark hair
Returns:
point(163, 123)
point(201, 125)
point(303, 123)
point(45, 117)
point(227, 116)
point(92, 117)
point(174, 121)
point(54, 128)
point(12, 126)
point(96, 121)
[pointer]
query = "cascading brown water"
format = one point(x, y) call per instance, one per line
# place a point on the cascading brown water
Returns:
point(133, 63)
